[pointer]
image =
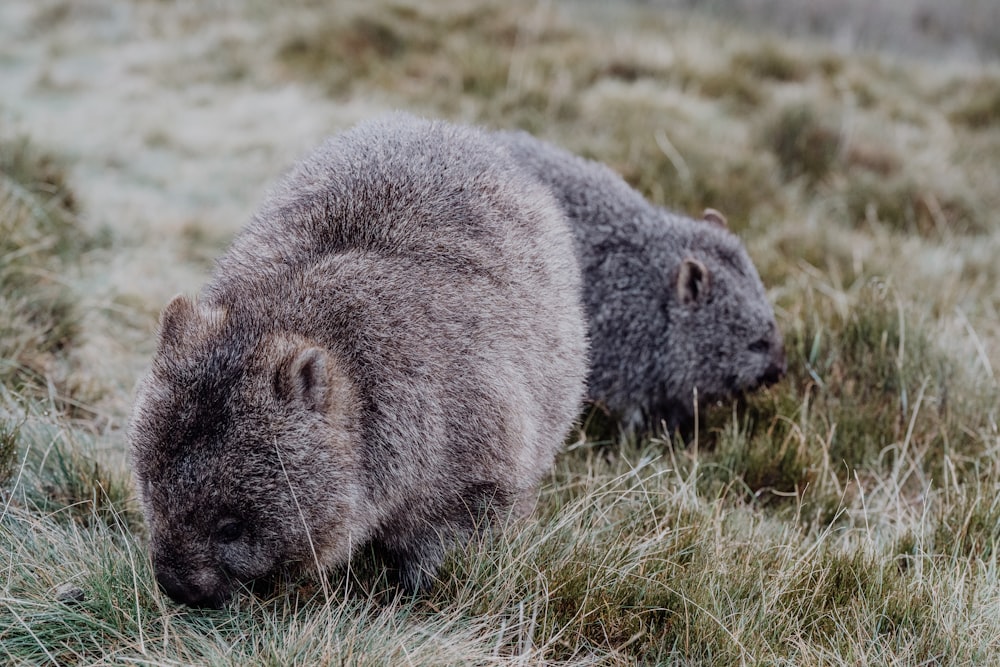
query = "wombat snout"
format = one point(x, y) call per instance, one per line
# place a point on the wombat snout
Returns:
point(777, 367)
point(209, 592)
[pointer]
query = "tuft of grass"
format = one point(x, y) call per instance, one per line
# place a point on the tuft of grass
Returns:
point(39, 236)
point(869, 393)
point(351, 49)
point(869, 384)
point(10, 430)
point(871, 158)
point(60, 471)
point(769, 62)
point(909, 207)
point(450, 57)
point(41, 176)
point(805, 145)
point(685, 171)
point(630, 70)
point(981, 109)
point(969, 528)
point(201, 244)
point(742, 91)
point(761, 462)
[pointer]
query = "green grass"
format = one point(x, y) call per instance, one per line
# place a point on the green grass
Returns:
point(847, 515)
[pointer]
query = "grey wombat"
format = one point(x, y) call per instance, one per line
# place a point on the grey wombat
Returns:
point(392, 351)
point(674, 305)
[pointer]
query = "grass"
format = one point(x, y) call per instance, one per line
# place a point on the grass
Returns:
point(449, 57)
point(37, 238)
point(981, 109)
point(847, 515)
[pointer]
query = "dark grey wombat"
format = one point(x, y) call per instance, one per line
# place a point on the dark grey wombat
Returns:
point(674, 305)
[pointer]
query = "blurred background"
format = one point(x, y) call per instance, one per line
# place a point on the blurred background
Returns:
point(962, 29)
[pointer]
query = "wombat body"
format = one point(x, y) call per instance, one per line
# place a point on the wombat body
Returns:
point(393, 350)
point(676, 309)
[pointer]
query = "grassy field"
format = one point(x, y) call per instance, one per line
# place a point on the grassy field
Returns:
point(849, 515)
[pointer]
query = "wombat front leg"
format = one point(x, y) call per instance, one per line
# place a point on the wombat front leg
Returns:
point(415, 576)
point(415, 563)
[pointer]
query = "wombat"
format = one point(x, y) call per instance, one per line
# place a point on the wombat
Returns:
point(676, 309)
point(391, 352)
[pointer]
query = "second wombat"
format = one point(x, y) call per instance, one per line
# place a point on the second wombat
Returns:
point(676, 309)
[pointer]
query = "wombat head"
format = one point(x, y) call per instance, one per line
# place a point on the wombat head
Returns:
point(242, 443)
point(724, 338)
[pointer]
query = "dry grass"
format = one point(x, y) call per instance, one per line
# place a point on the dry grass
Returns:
point(849, 515)
point(38, 239)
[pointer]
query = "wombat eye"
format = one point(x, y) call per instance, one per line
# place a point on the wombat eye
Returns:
point(762, 345)
point(229, 530)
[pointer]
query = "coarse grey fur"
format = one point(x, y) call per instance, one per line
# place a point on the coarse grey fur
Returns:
point(392, 351)
point(675, 306)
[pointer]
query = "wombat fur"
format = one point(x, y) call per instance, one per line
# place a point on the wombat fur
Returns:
point(676, 309)
point(393, 350)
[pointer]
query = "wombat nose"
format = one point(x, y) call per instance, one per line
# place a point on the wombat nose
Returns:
point(778, 366)
point(178, 591)
point(172, 586)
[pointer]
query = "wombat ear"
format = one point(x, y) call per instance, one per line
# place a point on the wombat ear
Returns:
point(174, 320)
point(181, 315)
point(715, 217)
point(307, 380)
point(692, 281)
